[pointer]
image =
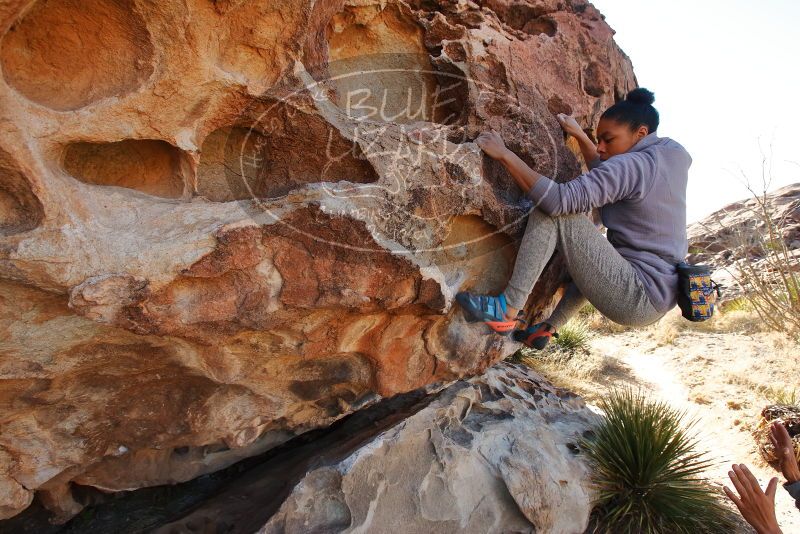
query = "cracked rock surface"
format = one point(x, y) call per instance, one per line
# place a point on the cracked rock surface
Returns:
point(218, 231)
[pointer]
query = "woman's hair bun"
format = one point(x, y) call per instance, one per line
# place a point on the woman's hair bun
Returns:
point(635, 111)
point(641, 96)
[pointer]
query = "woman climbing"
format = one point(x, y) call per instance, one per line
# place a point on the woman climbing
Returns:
point(638, 182)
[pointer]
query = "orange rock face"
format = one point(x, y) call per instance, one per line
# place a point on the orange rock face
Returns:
point(219, 227)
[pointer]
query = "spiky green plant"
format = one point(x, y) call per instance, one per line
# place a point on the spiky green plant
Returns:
point(573, 336)
point(737, 304)
point(782, 395)
point(646, 468)
point(587, 310)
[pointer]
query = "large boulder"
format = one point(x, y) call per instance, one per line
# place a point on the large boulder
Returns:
point(221, 225)
point(500, 452)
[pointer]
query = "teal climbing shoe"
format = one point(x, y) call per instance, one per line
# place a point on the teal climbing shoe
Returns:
point(488, 309)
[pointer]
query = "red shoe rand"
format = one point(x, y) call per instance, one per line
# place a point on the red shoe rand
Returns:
point(535, 336)
point(488, 309)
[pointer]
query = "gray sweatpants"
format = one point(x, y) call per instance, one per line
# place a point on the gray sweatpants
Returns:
point(599, 273)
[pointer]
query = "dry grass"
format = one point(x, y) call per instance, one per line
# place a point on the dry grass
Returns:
point(599, 323)
point(590, 372)
point(573, 336)
point(741, 321)
point(667, 334)
point(769, 393)
point(783, 395)
point(735, 317)
point(587, 373)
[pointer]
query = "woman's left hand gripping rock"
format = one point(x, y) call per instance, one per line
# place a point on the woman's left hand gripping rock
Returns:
point(491, 143)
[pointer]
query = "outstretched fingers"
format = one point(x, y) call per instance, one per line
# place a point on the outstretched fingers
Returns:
point(739, 482)
point(779, 435)
point(772, 487)
point(755, 487)
point(756, 506)
point(732, 496)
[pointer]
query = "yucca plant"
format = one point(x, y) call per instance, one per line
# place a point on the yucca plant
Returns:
point(646, 469)
point(573, 336)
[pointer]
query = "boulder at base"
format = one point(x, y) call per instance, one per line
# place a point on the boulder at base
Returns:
point(496, 453)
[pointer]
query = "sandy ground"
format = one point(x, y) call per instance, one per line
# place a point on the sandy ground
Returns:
point(721, 373)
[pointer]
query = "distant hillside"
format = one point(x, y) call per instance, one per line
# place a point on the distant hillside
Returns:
point(739, 231)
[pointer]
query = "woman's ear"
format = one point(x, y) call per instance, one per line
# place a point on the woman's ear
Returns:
point(642, 132)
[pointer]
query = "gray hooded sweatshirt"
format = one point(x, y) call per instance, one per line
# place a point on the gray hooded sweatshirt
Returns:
point(641, 195)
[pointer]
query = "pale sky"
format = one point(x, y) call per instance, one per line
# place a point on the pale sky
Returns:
point(725, 74)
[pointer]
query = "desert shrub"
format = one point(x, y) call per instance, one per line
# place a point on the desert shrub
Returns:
point(672, 326)
point(587, 310)
point(739, 304)
point(593, 320)
point(646, 468)
point(598, 322)
point(667, 335)
point(573, 336)
point(782, 395)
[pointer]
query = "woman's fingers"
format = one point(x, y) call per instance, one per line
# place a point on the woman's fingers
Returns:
point(489, 142)
point(568, 123)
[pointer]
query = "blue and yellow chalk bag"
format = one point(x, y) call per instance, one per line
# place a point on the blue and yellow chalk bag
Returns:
point(697, 292)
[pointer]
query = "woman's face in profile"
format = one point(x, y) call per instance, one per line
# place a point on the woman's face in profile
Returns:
point(615, 138)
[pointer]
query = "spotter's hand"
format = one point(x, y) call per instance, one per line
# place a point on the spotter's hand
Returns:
point(756, 506)
point(784, 452)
